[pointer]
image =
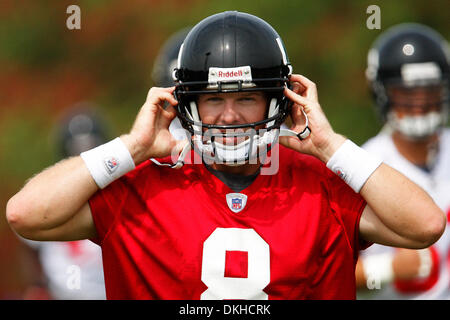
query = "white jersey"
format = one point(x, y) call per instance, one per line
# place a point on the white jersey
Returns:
point(437, 183)
point(74, 269)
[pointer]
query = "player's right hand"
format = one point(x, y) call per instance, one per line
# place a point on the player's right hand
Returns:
point(150, 136)
point(323, 141)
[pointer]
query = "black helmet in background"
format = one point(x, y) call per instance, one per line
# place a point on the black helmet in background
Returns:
point(80, 129)
point(408, 57)
point(166, 60)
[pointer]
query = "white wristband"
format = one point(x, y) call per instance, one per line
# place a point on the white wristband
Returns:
point(108, 162)
point(378, 268)
point(353, 164)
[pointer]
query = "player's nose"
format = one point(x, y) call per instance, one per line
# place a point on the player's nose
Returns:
point(230, 114)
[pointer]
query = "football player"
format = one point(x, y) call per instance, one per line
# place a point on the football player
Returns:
point(408, 72)
point(73, 270)
point(243, 217)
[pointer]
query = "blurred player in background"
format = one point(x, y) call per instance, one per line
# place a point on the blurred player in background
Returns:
point(408, 71)
point(73, 270)
point(162, 75)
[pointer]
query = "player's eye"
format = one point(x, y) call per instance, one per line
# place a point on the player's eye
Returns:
point(247, 99)
point(214, 99)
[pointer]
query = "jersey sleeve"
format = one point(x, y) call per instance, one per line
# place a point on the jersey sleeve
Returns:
point(106, 206)
point(347, 206)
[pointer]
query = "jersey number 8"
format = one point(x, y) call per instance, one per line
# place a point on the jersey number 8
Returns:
point(213, 265)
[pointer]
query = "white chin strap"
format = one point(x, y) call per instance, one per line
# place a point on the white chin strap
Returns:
point(417, 127)
point(239, 154)
point(180, 160)
point(301, 135)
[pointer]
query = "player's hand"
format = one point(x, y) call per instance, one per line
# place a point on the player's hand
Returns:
point(323, 141)
point(150, 136)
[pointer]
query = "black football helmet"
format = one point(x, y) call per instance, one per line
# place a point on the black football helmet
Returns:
point(80, 129)
point(232, 52)
point(166, 60)
point(409, 56)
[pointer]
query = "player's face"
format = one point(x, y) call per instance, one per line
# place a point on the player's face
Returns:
point(416, 101)
point(232, 109)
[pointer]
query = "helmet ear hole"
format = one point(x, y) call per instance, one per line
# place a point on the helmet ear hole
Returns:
point(175, 75)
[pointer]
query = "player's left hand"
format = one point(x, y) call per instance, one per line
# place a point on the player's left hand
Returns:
point(323, 141)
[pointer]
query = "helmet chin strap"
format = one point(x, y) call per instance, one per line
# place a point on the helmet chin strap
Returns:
point(235, 155)
point(301, 135)
point(180, 161)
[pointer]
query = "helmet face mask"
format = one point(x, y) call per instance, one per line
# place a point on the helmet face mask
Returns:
point(232, 52)
point(408, 73)
point(235, 143)
point(418, 112)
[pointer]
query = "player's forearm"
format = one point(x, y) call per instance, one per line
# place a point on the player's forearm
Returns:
point(52, 197)
point(403, 207)
point(137, 153)
point(399, 212)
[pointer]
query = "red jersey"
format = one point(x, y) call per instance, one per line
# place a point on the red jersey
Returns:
point(172, 234)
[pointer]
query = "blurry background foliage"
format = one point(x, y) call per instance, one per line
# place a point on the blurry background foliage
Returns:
point(45, 68)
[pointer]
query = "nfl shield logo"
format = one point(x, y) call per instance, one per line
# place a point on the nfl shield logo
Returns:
point(236, 201)
point(111, 164)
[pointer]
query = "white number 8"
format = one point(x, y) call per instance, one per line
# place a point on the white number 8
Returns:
point(213, 265)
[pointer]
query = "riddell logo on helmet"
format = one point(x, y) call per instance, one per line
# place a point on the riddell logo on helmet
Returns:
point(230, 74)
